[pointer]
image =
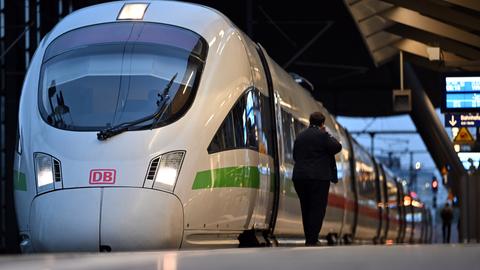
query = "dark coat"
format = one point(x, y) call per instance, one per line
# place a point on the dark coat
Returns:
point(447, 214)
point(314, 155)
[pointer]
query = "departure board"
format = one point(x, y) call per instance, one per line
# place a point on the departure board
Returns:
point(462, 93)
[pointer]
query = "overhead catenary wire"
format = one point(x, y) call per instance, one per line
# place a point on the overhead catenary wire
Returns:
point(27, 27)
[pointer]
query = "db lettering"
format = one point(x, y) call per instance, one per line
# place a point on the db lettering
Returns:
point(102, 176)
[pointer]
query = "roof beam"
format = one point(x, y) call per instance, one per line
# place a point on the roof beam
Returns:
point(471, 4)
point(450, 59)
point(420, 49)
point(365, 9)
point(373, 25)
point(427, 64)
point(416, 20)
point(381, 39)
point(468, 65)
point(384, 55)
point(445, 44)
point(440, 12)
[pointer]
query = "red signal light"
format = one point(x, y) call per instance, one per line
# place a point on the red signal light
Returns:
point(434, 185)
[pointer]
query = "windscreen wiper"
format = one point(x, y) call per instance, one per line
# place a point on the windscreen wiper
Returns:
point(59, 110)
point(156, 116)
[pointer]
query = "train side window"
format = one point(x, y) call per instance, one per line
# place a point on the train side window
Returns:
point(298, 126)
point(239, 116)
point(265, 136)
point(239, 129)
point(365, 174)
point(250, 121)
point(392, 196)
point(288, 136)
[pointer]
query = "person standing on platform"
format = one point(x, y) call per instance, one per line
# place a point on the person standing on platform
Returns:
point(315, 167)
point(447, 216)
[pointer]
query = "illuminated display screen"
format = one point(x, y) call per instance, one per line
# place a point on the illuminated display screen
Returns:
point(462, 93)
point(463, 100)
point(454, 84)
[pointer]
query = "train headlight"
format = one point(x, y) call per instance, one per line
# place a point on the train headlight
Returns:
point(19, 141)
point(44, 172)
point(164, 170)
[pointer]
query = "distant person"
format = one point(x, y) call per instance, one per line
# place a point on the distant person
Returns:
point(472, 167)
point(314, 155)
point(447, 216)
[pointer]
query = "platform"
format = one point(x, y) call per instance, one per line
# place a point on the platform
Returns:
point(346, 257)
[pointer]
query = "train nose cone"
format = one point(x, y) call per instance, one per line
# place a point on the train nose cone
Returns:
point(113, 219)
point(66, 220)
point(140, 219)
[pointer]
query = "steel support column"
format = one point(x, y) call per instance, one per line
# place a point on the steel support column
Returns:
point(436, 139)
point(476, 204)
point(3, 167)
point(15, 33)
point(472, 188)
point(23, 24)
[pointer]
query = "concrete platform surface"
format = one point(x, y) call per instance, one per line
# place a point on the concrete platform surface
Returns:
point(465, 257)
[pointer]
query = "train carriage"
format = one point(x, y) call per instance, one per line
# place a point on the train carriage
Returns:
point(159, 124)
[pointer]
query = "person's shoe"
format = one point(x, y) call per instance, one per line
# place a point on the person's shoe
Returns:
point(314, 244)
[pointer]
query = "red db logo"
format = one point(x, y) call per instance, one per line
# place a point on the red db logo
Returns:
point(102, 176)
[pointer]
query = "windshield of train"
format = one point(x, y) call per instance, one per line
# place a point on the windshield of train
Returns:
point(104, 75)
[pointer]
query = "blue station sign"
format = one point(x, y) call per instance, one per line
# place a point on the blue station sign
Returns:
point(461, 92)
point(462, 120)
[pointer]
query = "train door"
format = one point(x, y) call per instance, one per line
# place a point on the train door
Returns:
point(385, 206)
point(286, 221)
point(431, 228)
point(381, 202)
point(337, 199)
point(423, 237)
point(264, 201)
point(393, 209)
point(266, 209)
point(402, 211)
point(367, 222)
point(351, 194)
point(418, 220)
point(289, 223)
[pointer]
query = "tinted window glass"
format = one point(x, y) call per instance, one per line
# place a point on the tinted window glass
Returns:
point(392, 194)
point(127, 32)
point(365, 174)
point(240, 127)
point(298, 126)
point(91, 82)
point(288, 136)
point(265, 126)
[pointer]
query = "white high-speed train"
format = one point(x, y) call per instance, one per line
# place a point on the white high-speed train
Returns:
point(152, 125)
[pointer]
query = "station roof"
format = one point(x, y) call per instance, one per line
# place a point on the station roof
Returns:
point(389, 26)
point(349, 49)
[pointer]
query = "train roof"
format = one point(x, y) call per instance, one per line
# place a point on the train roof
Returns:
point(205, 21)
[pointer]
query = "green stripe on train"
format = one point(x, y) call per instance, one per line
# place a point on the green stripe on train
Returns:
point(243, 176)
point(19, 181)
